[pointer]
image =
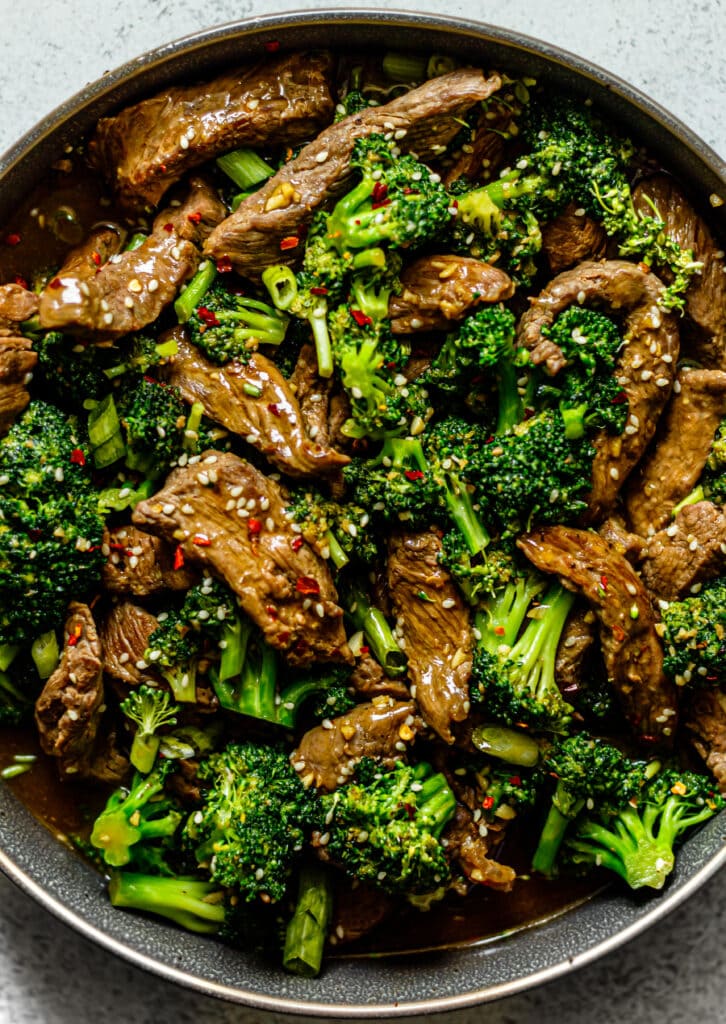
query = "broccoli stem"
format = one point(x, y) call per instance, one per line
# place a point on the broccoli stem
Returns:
point(183, 681)
point(378, 633)
point(696, 495)
point(511, 407)
point(45, 653)
point(253, 691)
point(195, 291)
point(436, 803)
point(144, 748)
point(104, 433)
point(318, 320)
point(191, 430)
point(511, 745)
point(307, 930)
point(7, 655)
point(535, 651)
point(233, 643)
point(135, 242)
point(337, 555)
point(245, 167)
point(554, 829)
point(499, 622)
point(193, 904)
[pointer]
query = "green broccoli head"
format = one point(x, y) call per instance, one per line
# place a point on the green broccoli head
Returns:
point(694, 637)
point(229, 325)
point(254, 821)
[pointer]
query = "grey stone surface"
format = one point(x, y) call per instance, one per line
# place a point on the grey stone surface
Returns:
point(677, 971)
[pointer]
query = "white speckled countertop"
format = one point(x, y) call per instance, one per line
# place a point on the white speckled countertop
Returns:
point(676, 972)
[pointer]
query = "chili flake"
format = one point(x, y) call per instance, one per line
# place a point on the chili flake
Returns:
point(224, 264)
point(272, 46)
point(194, 217)
point(207, 317)
point(55, 283)
point(289, 242)
point(296, 543)
point(254, 525)
point(515, 780)
point(274, 408)
point(96, 257)
point(318, 290)
point(604, 582)
point(620, 398)
point(499, 630)
point(13, 239)
point(414, 474)
point(487, 803)
point(618, 632)
point(21, 281)
point(201, 540)
point(75, 635)
point(307, 585)
point(178, 557)
point(77, 457)
point(169, 227)
point(360, 318)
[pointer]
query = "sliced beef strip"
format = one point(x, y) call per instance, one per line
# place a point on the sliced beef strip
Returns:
point(271, 421)
point(705, 328)
point(283, 207)
point(705, 722)
point(470, 849)
point(17, 304)
point(632, 651)
point(127, 291)
point(435, 628)
point(571, 238)
point(109, 766)
point(672, 466)
point(485, 151)
point(357, 910)
point(574, 648)
point(313, 394)
point(439, 290)
point(17, 362)
point(142, 565)
point(147, 147)
point(689, 551)
point(69, 709)
point(125, 633)
point(621, 540)
point(229, 518)
point(369, 679)
point(645, 368)
point(382, 729)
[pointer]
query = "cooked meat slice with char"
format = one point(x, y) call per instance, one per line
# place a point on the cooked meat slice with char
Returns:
point(485, 151)
point(645, 368)
point(125, 633)
point(574, 648)
point(110, 296)
point(141, 565)
point(434, 623)
point(69, 708)
point(109, 765)
point(313, 394)
point(17, 304)
point(631, 648)
point(357, 910)
point(381, 729)
point(147, 147)
point(629, 545)
point(283, 207)
point(704, 330)
point(17, 362)
point(466, 845)
point(705, 720)
point(369, 679)
point(690, 550)
point(229, 518)
point(672, 466)
point(271, 422)
point(439, 290)
point(571, 238)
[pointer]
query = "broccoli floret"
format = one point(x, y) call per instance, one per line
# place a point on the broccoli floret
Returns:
point(586, 769)
point(694, 637)
point(71, 370)
point(18, 691)
point(393, 484)
point(340, 531)
point(150, 709)
point(508, 791)
point(484, 345)
point(636, 841)
point(137, 814)
point(713, 478)
point(398, 202)
point(226, 324)
point(50, 531)
point(153, 419)
point(384, 828)
point(192, 903)
point(515, 675)
point(255, 818)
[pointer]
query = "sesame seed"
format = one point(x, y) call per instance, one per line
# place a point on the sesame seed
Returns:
point(184, 142)
point(320, 610)
point(614, 472)
point(168, 509)
point(448, 602)
point(134, 285)
point(322, 156)
point(646, 375)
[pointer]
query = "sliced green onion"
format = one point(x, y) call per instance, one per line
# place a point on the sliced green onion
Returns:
point(404, 67)
point(104, 433)
point(510, 745)
point(281, 283)
point(244, 167)
point(45, 653)
point(13, 770)
point(440, 64)
point(136, 240)
point(195, 291)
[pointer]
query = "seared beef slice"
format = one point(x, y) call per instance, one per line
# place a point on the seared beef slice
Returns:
point(229, 517)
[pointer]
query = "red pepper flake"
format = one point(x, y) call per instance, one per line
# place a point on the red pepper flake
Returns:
point(604, 582)
point(622, 396)
point(515, 780)
point(289, 242)
point(272, 611)
point(162, 168)
point(318, 290)
point(178, 557)
point(410, 811)
point(307, 585)
point(55, 283)
point(499, 630)
point(618, 632)
point(207, 316)
point(96, 257)
point(77, 457)
point(75, 635)
point(383, 202)
point(272, 46)
point(487, 803)
point(35, 533)
point(194, 217)
point(201, 540)
point(274, 408)
point(169, 227)
point(224, 264)
point(644, 267)
point(360, 318)
point(380, 192)
point(365, 649)
point(254, 525)
point(13, 239)
point(21, 281)
point(296, 543)
point(414, 474)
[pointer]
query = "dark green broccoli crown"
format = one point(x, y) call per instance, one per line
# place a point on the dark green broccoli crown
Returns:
point(349, 522)
point(535, 474)
point(208, 606)
point(182, 632)
point(694, 638)
point(713, 478)
point(229, 324)
point(393, 486)
point(682, 795)
point(353, 102)
point(384, 828)
point(478, 576)
point(42, 456)
point(398, 202)
point(71, 370)
point(508, 788)
point(587, 337)
point(590, 767)
point(153, 417)
point(19, 687)
point(255, 819)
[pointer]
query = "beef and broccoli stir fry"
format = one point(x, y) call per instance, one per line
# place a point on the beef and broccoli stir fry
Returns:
point(362, 495)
